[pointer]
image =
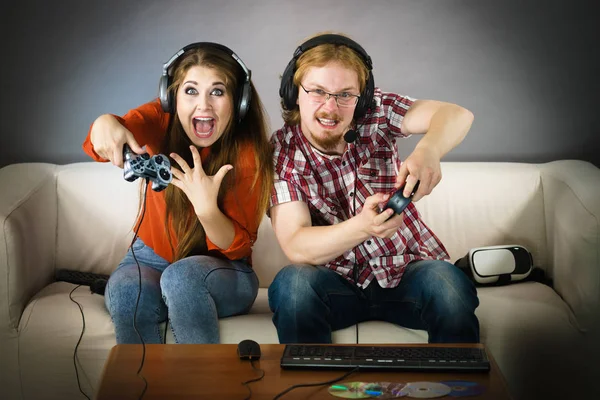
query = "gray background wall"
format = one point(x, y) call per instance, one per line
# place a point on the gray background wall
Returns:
point(527, 69)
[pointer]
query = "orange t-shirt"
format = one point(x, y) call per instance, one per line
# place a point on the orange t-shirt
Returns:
point(148, 124)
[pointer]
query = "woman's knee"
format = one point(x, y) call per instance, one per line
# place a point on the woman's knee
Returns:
point(187, 273)
point(124, 287)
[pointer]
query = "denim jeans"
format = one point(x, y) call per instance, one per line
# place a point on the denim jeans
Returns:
point(196, 291)
point(310, 302)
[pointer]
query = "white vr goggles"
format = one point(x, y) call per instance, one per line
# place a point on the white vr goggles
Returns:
point(497, 265)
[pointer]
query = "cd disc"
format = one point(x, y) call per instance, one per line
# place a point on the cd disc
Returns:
point(464, 388)
point(349, 390)
point(385, 390)
point(426, 390)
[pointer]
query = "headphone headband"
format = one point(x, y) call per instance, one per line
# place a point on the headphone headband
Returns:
point(288, 91)
point(335, 39)
point(241, 101)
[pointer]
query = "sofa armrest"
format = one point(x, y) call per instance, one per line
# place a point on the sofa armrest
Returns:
point(572, 212)
point(28, 217)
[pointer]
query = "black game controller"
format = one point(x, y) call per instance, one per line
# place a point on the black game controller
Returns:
point(156, 168)
point(398, 202)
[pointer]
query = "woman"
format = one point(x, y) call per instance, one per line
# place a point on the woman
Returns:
point(194, 240)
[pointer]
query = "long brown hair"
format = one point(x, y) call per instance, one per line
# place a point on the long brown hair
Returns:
point(320, 56)
point(252, 131)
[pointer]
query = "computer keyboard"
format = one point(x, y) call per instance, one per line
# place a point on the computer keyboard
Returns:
point(411, 357)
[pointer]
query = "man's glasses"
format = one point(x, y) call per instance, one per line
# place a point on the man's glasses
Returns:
point(342, 99)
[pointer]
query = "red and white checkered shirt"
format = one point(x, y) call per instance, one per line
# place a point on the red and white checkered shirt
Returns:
point(327, 185)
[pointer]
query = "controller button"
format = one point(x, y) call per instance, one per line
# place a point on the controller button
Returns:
point(158, 159)
point(166, 175)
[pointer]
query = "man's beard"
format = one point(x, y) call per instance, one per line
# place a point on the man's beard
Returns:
point(328, 142)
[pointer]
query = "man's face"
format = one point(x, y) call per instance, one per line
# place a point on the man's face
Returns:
point(324, 124)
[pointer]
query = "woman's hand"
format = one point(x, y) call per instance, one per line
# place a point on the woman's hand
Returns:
point(202, 190)
point(108, 137)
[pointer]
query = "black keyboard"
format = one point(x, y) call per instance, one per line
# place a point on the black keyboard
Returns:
point(444, 358)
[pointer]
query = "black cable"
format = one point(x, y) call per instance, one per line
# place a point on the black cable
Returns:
point(137, 302)
point(316, 384)
point(134, 313)
point(79, 341)
point(166, 326)
point(354, 267)
point(253, 380)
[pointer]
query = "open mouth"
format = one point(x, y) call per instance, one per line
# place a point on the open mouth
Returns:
point(203, 126)
point(327, 123)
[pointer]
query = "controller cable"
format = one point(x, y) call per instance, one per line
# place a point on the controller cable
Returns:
point(134, 313)
point(350, 137)
point(137, 302)
point(79, 341)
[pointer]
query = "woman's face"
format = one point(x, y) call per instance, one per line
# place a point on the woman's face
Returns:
point(204, 105)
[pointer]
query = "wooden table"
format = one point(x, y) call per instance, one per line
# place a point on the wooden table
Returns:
point(214, 371)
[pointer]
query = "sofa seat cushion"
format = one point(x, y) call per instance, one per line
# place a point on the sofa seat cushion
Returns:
point(521, 324)
point(529, 330)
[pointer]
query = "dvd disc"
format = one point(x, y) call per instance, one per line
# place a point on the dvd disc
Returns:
point(385, 390)
point(464, 388)
point(349, 390)
point(426, 390)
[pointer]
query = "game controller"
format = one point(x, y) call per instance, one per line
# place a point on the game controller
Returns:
point(398, 202)
point(156, 168)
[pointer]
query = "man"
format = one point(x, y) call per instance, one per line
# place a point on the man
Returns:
point(336, 163)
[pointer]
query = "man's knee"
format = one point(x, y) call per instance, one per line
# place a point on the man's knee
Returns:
point(293, 285)
point(450, 287)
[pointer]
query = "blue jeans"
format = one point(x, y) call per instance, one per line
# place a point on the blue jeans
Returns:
point(310, 302)
point(196, 291)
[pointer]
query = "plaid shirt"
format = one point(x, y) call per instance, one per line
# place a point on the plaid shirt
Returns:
point(327, 185)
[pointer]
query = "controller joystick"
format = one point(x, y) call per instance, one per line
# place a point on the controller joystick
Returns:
point(156, 168)
point(398, 202)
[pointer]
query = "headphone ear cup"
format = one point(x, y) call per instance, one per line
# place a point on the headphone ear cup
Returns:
point(163, 93)
point(287, 90)
point(366, 97)
point(245, 98)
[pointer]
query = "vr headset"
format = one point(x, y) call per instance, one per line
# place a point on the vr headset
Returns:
point(497, 265)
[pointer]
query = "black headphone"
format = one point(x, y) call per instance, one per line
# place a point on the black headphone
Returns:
point(288, 91)
point(241, 101)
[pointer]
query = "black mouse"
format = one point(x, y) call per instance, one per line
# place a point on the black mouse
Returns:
point(248, 350)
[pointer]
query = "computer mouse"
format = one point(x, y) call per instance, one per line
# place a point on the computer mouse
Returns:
point(248, 350)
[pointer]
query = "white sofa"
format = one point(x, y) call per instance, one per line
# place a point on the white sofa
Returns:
point(79, 216)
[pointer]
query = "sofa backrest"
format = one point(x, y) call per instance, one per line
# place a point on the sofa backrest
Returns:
point(475, 204)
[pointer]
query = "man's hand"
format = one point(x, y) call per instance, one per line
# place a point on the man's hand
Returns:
point(202, 190)
point(379, 224)
point(108, 137)
point(423, 165)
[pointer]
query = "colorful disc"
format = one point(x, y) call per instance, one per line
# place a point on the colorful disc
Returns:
point(349, 390)
point(464, 388)
point(426, 390)
point(385, 390)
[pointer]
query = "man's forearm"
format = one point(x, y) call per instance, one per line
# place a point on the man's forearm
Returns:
point(448, 127)
point(317, 245)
